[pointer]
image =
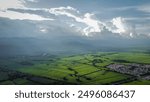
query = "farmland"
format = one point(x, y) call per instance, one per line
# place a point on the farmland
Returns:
point(89, 69)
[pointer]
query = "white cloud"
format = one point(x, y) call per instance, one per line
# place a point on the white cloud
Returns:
point(123, 8)
point(120, 26)
point(4, 4)
point(32, 0)
point(18, 4)
point(144, 8)
point(91, 25)
point(84, 23)
point(43, 30)
point(119, 23)
point(21, 16)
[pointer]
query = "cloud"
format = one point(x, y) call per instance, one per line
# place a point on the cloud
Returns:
point(144, 8)
point(82, 23)
point(120, 26)
point(119, 23)
point(90, 25)
point(32, 0)
point(85, 23)
point(123, 8)
point(4, 4)
point(21, 16)
point(43, 29)
point(93, 24)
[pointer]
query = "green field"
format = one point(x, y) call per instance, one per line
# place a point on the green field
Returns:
point(76, 69)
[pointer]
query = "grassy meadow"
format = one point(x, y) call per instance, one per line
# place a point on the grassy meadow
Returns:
point(83, 69)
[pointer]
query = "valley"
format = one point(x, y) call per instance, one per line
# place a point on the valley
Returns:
point(101, 68)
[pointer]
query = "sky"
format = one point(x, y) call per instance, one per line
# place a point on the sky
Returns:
point(125, 18)
point(73, 26)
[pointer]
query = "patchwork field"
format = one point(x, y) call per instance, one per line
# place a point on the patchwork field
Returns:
point(86, 69)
